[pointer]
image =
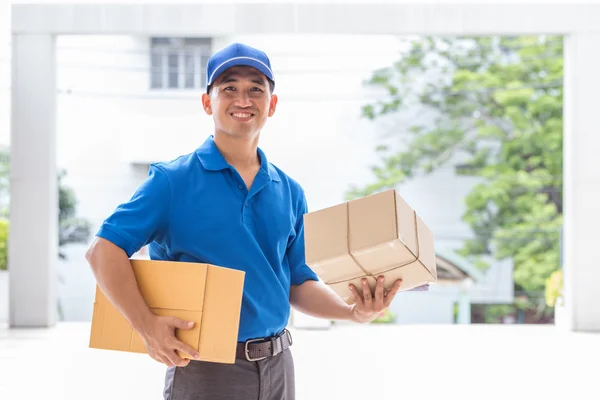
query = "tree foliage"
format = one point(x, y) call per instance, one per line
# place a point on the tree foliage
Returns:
point(495, 104)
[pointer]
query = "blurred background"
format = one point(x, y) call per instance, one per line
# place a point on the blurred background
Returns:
point(468, 129)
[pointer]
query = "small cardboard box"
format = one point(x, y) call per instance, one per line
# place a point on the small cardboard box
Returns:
point(379, 234)
point(210, 296)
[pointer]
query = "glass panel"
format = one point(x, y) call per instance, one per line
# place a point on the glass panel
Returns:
point(159, 41)
point(173, 69)
point(189, 70)
point(156, 71)
point(197, 42)
point(202, 66)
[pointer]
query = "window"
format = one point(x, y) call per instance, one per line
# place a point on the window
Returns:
point(178, 63)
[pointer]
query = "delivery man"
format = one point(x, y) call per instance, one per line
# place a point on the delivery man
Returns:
point(227, 205)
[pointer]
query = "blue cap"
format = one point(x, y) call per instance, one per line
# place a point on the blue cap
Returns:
point(237, 54)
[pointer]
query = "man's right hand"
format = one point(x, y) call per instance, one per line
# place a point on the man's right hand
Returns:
point(161, 343)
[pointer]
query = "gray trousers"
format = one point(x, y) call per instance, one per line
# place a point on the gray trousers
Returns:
point(268, 379)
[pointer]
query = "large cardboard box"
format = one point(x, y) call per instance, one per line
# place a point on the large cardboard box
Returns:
point(379, 234)
point(209, 295)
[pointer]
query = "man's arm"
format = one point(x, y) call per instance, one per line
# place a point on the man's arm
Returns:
point(316, 299)
point(132, 225)
point(114, 274)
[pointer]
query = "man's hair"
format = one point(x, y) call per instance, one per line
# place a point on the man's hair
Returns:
point(271, 86)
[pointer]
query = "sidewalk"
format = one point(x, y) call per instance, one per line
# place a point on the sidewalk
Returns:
point(345, 362)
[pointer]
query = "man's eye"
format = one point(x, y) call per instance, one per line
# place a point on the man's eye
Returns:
point(256, 88)
point(229, 88)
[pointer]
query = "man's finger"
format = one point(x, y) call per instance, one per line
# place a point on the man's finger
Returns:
point(366, 292)
point(156, 358)
point(184, 348)
point(181, 324)
point(184, 362)
point(392, 293)
point(165, 360)
point(355, 294)
point(175, 359)
point(379, 293)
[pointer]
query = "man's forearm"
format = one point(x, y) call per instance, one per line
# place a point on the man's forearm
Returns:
point(115, 277)
point(318, 300)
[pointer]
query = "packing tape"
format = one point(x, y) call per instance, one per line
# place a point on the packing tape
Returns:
point(367, 273)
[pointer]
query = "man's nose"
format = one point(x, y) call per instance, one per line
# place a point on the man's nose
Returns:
point(243, 99)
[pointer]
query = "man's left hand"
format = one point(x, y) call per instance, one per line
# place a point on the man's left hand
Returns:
point(368, 306)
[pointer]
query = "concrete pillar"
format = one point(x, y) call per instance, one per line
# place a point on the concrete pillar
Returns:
point(582, 181)
point(33, 238)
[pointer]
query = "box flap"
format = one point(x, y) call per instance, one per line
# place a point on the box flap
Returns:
point(426, 255)
point(116, 332)
point(221, 319)
point(97, 320)
point(337, 269)
point(157, 281)
point(326, 234)
point(171, 285)
point(372, 220)
point(426, 247)
point(382, 232)
point(326, 244)
point(406, 224)
point(413, 275)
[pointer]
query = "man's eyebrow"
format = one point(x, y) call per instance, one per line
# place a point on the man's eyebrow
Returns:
point(233, 78)
point(228, 78)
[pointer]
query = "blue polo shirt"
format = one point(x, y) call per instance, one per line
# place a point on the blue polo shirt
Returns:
point(198, 209)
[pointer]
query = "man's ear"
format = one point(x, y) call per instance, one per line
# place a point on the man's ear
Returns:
point(273, 105)
point(206, 103)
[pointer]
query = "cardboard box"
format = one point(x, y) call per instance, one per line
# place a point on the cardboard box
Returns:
point(375, 235)
point(210, 296)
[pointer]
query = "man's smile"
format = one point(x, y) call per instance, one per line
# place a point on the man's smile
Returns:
point(242, 116)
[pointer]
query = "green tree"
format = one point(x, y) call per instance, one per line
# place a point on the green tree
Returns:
point(3, 244)
point(496, 104)
point(71, 228)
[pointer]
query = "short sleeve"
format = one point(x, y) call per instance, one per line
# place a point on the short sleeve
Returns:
point(300, 271)
point(144, 217)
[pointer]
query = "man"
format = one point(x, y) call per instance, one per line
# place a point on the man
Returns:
point(225, 204)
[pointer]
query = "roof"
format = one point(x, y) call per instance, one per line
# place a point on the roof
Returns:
point(453, 266)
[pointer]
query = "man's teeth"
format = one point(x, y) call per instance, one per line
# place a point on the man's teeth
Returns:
point(240, 115)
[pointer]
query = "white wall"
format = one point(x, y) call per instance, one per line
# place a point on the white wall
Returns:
point(109, 125)
point(3, 297)
point(435, 306)
point(4, 125)
point(5, 57)
point(316, 135)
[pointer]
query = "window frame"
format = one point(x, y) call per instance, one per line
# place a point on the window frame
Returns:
point(161, 50)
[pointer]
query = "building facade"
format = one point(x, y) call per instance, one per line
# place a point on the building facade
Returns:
point(126, 101)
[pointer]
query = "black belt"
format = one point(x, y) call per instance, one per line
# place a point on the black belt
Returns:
point(259, 349)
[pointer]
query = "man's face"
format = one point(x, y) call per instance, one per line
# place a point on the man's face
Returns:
point(240, 102)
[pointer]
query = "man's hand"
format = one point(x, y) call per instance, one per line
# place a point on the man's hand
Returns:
point(160, 341)
point(367, 306)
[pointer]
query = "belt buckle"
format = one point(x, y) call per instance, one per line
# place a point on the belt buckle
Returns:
point(247, 352)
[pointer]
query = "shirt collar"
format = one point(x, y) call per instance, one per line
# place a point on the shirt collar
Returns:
point(212, 160)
